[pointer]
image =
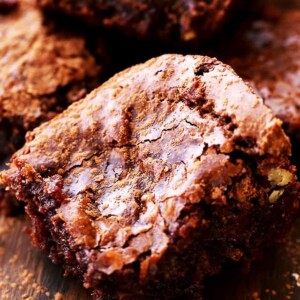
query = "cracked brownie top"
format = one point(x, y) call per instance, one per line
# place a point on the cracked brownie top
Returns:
point(41, 69)
point(128, 166)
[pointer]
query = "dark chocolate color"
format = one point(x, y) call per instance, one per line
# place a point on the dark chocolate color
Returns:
point(7, 6)
point(164, 20)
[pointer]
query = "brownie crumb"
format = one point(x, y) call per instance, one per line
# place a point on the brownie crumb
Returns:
point(58, 296)
point(22, 280)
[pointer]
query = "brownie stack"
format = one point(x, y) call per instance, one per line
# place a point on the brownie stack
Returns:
point(167, 171)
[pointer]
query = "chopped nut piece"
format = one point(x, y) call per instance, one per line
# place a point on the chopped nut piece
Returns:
point(275, 195)
point(280, 177)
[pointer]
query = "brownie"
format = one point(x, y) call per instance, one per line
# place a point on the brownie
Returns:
point(286, 4)
point(7, 5)
point(43, 70)
point(156, 179)
point(267, 54)
point(163, 20)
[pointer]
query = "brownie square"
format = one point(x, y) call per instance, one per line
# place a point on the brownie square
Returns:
point(156, 179)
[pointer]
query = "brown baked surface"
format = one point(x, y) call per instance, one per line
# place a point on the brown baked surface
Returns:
point(43, 70)
point(156, 179)
point(267, 55)
point(155, 19)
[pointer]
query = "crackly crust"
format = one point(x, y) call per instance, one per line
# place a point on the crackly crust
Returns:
point(157, 178)
point(268, 56)
point(155, 19)
point(42, 71)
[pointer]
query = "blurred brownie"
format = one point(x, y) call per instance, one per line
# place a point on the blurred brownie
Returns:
point(43, 70)
point(287, 4)
point(178, 20)
point(7, 5)
point(267, 54)
point(156, 179)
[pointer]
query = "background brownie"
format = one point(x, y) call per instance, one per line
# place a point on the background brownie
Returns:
point(267, 54)
point(43, 70)
point(154, 180)
point(176, 20)
point(287, 4)
point(7, 5)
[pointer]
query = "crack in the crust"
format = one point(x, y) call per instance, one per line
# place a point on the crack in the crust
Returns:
point(160, 136)
point(132, 235)
point(84, 160)
point(190, 123)
point(108, 147)
point(150, 140)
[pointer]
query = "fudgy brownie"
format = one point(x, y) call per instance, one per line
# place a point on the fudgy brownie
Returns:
point(156, 179)
point(165, 20)
point(268, 56)
point(42, 71)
